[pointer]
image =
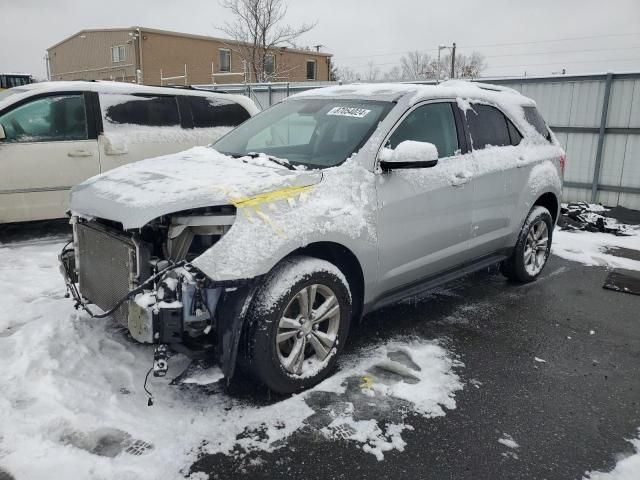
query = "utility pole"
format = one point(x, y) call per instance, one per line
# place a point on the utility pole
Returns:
point(453, 60)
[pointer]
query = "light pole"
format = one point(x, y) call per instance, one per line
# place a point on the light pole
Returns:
point(440, 48)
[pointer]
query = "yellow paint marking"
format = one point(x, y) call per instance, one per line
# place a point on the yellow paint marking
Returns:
point(282, 194)
point(367, 383)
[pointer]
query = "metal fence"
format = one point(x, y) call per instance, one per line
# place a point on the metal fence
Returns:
point(595, 117)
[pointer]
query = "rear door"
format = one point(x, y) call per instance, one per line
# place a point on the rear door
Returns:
point(425, 213)
point(50, 146)
point(137, 126)
point(494, 139)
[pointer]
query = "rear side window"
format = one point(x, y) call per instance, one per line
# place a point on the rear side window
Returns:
point(487, 126)
point(535, 119)
point(216, 112)
point(140, 110)
point(433, 123)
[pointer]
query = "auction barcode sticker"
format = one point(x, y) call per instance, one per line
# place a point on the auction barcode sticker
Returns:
point(349, 112)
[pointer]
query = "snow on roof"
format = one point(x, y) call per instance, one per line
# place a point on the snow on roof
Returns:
point(122, 88)
point(494, 94)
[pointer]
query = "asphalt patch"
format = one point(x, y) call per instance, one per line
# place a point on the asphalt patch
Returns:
point(619, 281)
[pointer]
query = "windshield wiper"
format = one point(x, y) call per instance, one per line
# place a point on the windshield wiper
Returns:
point(277, 160)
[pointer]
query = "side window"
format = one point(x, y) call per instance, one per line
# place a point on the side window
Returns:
point(487, 126)
point(433, 123)
point(48, 119)
point(139, 110)
point(532, 116)
point(515, 135)
point(216, 112)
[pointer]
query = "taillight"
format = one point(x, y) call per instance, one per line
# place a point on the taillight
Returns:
point(563, 162)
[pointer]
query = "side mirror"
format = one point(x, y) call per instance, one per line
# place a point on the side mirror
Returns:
point(3, 135)
point(409, 154)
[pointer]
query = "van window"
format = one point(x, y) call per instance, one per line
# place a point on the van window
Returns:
point(532, 116)
point(48, 119)
point(140, 110)
point(514, 133)
point(487, 126)
point(433, 123)
point(215, 112)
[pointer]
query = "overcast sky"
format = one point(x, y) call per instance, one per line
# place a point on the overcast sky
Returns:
point(359, 31)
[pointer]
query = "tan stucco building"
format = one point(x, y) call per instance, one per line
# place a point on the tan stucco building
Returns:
point(160, 57)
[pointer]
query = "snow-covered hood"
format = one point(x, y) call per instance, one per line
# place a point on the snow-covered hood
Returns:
point(137, 193)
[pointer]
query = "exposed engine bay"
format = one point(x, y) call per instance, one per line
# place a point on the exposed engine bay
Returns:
point(143, 279)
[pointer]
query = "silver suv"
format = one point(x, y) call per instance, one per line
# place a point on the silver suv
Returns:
point(260, 250)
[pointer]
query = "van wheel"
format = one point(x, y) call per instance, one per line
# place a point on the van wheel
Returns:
point(532, 249)
point(298, 323)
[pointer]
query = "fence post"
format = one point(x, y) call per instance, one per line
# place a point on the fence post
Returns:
point(270, 95)
point(287, 89)
point(601, 133)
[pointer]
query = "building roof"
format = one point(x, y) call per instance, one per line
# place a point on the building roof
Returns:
point(179, 34)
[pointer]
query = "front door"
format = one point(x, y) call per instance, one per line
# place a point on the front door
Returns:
point(424, 221)
point(49, 147)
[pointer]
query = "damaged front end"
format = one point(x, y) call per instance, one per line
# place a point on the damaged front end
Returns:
point(143, 278)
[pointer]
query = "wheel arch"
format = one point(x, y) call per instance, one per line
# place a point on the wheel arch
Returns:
point(346, 261)
point(550, 201)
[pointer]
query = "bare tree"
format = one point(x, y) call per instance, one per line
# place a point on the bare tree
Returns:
point(394, 74)
point(466, 66)
point(372, 74)
point(258, 29)
point(416, 65)
point(346, 75)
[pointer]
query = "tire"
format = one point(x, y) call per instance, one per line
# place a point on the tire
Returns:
point(308, 346)
point(524, 266)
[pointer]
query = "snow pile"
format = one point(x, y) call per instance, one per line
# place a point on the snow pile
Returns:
point(591, 247)
point(626, 469)
point(72, 403)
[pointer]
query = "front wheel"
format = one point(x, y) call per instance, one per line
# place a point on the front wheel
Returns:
point(298, 323)
point(532, 248)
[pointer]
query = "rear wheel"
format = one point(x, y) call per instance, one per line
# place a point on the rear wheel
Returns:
point(298, 323)
point(532, 248)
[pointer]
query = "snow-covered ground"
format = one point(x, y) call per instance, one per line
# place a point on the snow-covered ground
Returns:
point(590, 248)
point(627, 468)
point(72, 403)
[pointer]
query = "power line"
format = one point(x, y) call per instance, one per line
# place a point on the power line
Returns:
point(563, 63)
point(551, 41)
point(561, 52)
point(496, 45)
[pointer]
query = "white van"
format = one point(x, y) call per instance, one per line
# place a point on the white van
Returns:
point(54, 135)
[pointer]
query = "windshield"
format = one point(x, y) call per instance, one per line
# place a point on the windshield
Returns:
point(317, 133)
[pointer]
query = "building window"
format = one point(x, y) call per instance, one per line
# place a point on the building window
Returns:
point(118, 54)
point(270, 64)
point(225, 60)
point(311, 69)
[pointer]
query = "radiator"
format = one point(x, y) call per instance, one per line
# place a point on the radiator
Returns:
point(108, 266)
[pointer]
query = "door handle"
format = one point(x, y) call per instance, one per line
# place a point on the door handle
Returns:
point(460, 179)
point(80, 153)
